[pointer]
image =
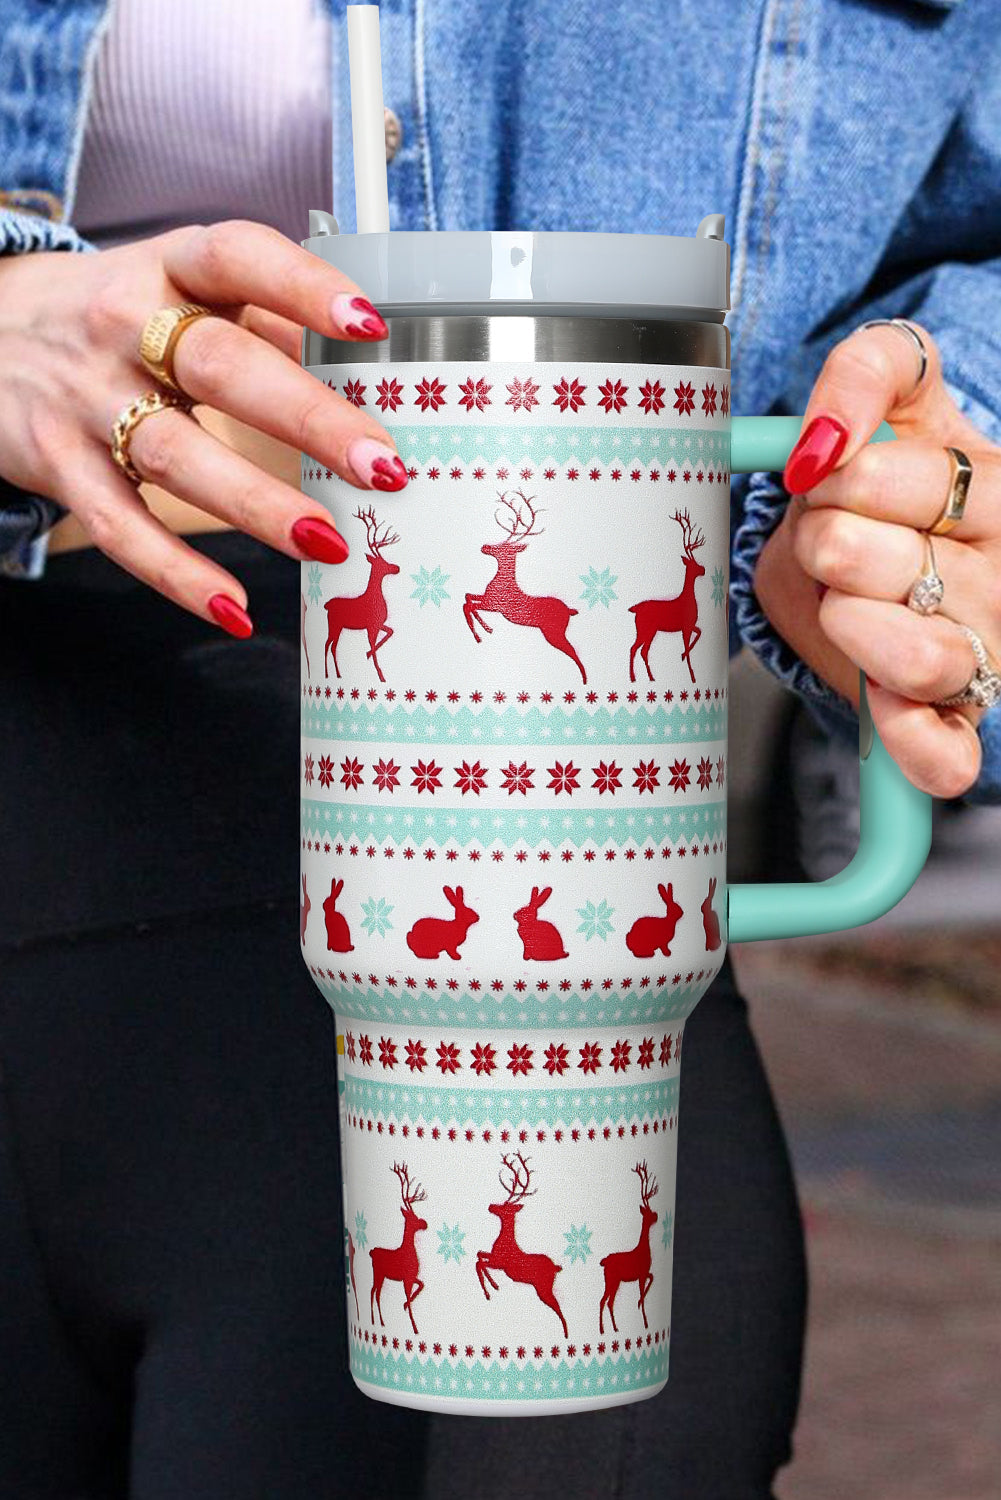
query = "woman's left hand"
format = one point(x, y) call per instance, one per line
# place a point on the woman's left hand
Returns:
point(834, 577)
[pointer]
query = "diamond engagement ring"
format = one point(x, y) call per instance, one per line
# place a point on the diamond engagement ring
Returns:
point(984, 688)
point(927, 592)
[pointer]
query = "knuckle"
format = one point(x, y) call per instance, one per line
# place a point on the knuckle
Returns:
point(154, 447)
point(311, 425)
point(104, 521)
point(860, 363)
point(838, 549)
point(104, 315)
point(215, 247)
point(207, 358)
point(925, 666)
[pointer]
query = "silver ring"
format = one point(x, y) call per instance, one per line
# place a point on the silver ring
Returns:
point(910, 332)
point(984, 688)
point(927, 591)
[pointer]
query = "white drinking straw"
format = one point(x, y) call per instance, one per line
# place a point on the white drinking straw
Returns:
point(368, 127)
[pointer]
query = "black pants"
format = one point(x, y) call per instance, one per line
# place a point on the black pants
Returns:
point(172, 1308)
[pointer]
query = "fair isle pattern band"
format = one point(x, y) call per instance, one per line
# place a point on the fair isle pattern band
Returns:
point(530, 1108)
point(352, 714)
point(561, 1371)
point(681, 458)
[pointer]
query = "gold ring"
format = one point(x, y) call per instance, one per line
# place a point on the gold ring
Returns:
point(128, 420)
point(159, 337)
point(959, 485)
point(927, 591)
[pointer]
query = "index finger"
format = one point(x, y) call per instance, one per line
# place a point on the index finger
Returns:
point(866, 379)
point(237, 261)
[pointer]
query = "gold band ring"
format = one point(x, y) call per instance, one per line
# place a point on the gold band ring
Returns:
point(959, 487)
point(128, 420)
point(159, 337)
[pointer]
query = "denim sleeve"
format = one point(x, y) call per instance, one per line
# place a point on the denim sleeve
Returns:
point(25, 518)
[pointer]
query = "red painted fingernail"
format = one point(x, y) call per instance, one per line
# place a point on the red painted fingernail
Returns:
point(231, 616)
point(376, 465)
point(815, 455)
point(345, 310)
point(319, 540)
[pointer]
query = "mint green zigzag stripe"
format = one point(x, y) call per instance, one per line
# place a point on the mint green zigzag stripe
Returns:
point(529, 730)
point(500, 1106)
point(466, 1379)
point(510, 826)
point(452, 1009)
point(587, 445)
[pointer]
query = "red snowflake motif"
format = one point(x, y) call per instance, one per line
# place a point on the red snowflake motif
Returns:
point(719, 771)
point(607, 778)
point(475, 393)
point(613, 395)
point(387, 1052)
point(521, 1059)
point(709, 400)
point(326, 771)
point(705, 772)
point(680, 775)
point(427, 778)
point(620, 1057)
point(417, 1059)
point(386, 775)
point(350, 1040)
point(307, 770)
point(724, 400)
point(590, 1057)
point(524, 394)
point(390, 394)
point(569, 394)
point(365, 1049)
point(430, 393)
point(652, 397)
point(351, 770)
point(355, 392)
point(470, 778)
point(448, 1057)
point(685, 403)
point(483, 1059)
point(565, 778)
point(645, 1058)
point(645, 775)
point(557, 1059)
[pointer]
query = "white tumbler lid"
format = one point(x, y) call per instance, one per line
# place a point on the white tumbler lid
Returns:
point(522, 270)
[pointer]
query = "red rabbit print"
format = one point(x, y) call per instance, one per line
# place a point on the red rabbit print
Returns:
point(648, 934)
point(710, 920)
point(368, 611)
point(304, 911)
point(503, 595)
point(402, 1263)
point(634, 1264)
point(351, 1269)
point(541, 940)
point(338, 932)
point(505, 1254)
point(680, 613)
point(430, 937)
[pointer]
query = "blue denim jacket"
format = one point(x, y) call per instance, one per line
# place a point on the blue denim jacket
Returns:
point(854, 147)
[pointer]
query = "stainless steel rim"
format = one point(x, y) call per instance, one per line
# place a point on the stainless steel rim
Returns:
point(479, 339)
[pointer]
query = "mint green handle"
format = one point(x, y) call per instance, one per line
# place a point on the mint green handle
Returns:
point(896, 818)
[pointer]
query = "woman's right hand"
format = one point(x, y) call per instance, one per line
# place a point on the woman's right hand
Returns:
point(69, 333)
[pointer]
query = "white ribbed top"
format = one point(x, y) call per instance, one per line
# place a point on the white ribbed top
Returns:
point(200, 112)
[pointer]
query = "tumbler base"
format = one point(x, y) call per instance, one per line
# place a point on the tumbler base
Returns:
point(559, 1407)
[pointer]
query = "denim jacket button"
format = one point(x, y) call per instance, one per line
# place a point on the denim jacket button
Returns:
point(394, 134)
point(33, 201)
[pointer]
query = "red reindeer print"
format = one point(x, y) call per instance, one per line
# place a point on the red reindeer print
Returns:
point(541, 940)
point(503, 595)
point(710, 920)
point(368, 611)
point(402, 1263)
point(647, 935)
point(351, 1269)
point(430, 937)
point(304, 911)
point(338, 932)
point(680, 613)
point(505, 1254)
point(634, 1264)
